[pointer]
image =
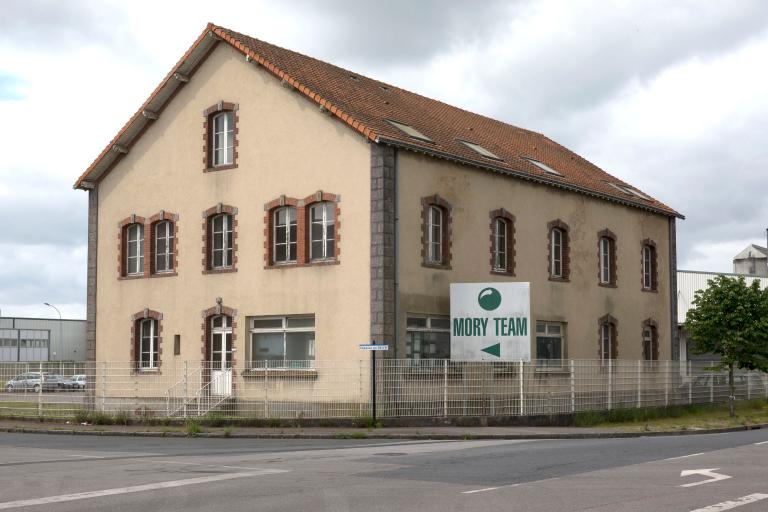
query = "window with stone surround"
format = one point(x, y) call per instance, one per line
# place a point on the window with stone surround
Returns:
point(558, 248)
point(650, 341)
point(649, 266)
point(164, 244)
point(502, 242)
point(146, 339)
point(436, 232)
point(608, 332)
point(220, 136)
point(322, 238)
point(220, 239)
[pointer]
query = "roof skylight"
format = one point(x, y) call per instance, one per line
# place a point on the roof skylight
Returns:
point(410, 131)
point(479, 149)
point(630, 191)
point(544, 167)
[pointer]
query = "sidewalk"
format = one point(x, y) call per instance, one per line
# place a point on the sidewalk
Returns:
point(411, 433)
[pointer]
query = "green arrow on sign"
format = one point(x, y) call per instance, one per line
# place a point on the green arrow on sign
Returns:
point(494, 350)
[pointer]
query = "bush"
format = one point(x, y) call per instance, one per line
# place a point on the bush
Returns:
point(193, 427)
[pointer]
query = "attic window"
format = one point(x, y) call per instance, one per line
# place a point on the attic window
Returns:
point(410, 131)
point(479, 149)
point(630, 191)
point(544, 167)
point(353, 77)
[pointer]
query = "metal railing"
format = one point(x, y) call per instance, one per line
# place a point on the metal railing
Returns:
point(342, 389)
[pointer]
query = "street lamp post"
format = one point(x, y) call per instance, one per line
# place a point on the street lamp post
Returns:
point(60, 330)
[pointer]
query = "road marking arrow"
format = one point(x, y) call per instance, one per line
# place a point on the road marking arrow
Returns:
point(713, 477)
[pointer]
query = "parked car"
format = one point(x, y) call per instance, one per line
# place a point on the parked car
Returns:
point(31, 381)
point(74, 382)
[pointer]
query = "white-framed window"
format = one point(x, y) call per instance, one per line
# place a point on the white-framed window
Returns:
point(285, 235)
point(607, 333)
point(550, 342)
point(322, 234)
point(648, 255)
point(223, 138)
point(650, 350)
point(282, 341)
point(605, 260)
point(134, 250)
point(221, 342)
point(221, 243)
point(428, 337)
point(148, 344)
point(556, 252)
point(500, 233)
point(164, 246)
point(435, 235)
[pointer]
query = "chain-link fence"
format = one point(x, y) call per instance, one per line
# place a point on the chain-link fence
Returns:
point(343, 389)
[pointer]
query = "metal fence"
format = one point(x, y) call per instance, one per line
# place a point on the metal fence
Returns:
point(343, 389)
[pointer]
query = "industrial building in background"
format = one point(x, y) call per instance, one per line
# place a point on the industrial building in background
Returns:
point(41, 339)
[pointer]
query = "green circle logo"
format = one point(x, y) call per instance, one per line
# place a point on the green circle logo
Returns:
point(489, 299)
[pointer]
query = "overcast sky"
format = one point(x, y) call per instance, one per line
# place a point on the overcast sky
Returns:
point(669, 96)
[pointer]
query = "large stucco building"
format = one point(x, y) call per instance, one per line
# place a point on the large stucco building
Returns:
point(265, 206)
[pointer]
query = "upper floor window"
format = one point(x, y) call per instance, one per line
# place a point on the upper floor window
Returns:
point(164, 246)
point(435, 234)
point(223, 138)
point(134, 249)
point(221, 243)
point(322, 237)
point(285, 235)
point(500, 229)
point(556, 252)
point(221, 131)
point(649, 265)
point(606, 245)
point(148, 346)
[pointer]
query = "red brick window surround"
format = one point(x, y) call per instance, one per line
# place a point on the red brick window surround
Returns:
point(650, 337)
point(436, 232)
point(146, 340)
point(219, 239)
point(558, 251)
point(649, 277)
point(322, 228)
point(220, 133)
point(132, 248)
point(502, 242)
point(163, 246)
point(606, 258)
point(608, 342)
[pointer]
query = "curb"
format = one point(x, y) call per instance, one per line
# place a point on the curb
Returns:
point(373, 435)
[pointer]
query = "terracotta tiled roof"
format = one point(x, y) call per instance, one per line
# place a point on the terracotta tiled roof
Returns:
point(366, 105)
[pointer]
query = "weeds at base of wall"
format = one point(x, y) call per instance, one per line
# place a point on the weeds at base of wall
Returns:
point(192, 427)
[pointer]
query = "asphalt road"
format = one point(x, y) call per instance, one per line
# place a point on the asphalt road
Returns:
point(76, 473)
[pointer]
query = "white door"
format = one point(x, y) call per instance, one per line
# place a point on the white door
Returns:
point(221, 355)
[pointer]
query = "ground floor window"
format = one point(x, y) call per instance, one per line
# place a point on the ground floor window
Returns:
point(283, 341)
point(550, 342)
point(429, 337)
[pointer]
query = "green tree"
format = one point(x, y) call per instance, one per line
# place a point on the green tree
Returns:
point(730, 319)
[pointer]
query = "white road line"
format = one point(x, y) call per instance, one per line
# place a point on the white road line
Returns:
point(683, 456)
point(479, 490)
point(473, 491)
point(728, 505)
point(762, 442)
point(181, 463)
point(87, 456)
point(125, 490)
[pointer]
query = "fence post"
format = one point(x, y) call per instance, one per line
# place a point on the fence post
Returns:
point(749, 385)
point(712, 387)
point(522, 393)
point(639, 383)
point(610, 384)
point(690, 383)
point(266, 389)
point(666, 383)
point(445, 388)
point(573, 387)
point(40, 392)
point(103, 386)
point(186, 387)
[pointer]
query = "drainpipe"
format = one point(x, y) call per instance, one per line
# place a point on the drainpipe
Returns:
point(397, 255)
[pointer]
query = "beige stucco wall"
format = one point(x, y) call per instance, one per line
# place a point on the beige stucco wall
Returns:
point(286, 146)
point(581, 302)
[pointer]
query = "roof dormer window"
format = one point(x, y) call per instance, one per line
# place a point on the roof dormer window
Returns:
point(630, 191)
point(477, 148)
point(544, 167)
point(409, 131)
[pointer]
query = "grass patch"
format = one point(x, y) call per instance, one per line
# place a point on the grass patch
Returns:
point(677, 417)
point(193, 427)
point(365, 422)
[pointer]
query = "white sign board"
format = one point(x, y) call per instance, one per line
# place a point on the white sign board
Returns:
point(491, 321)
point(373, 347)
